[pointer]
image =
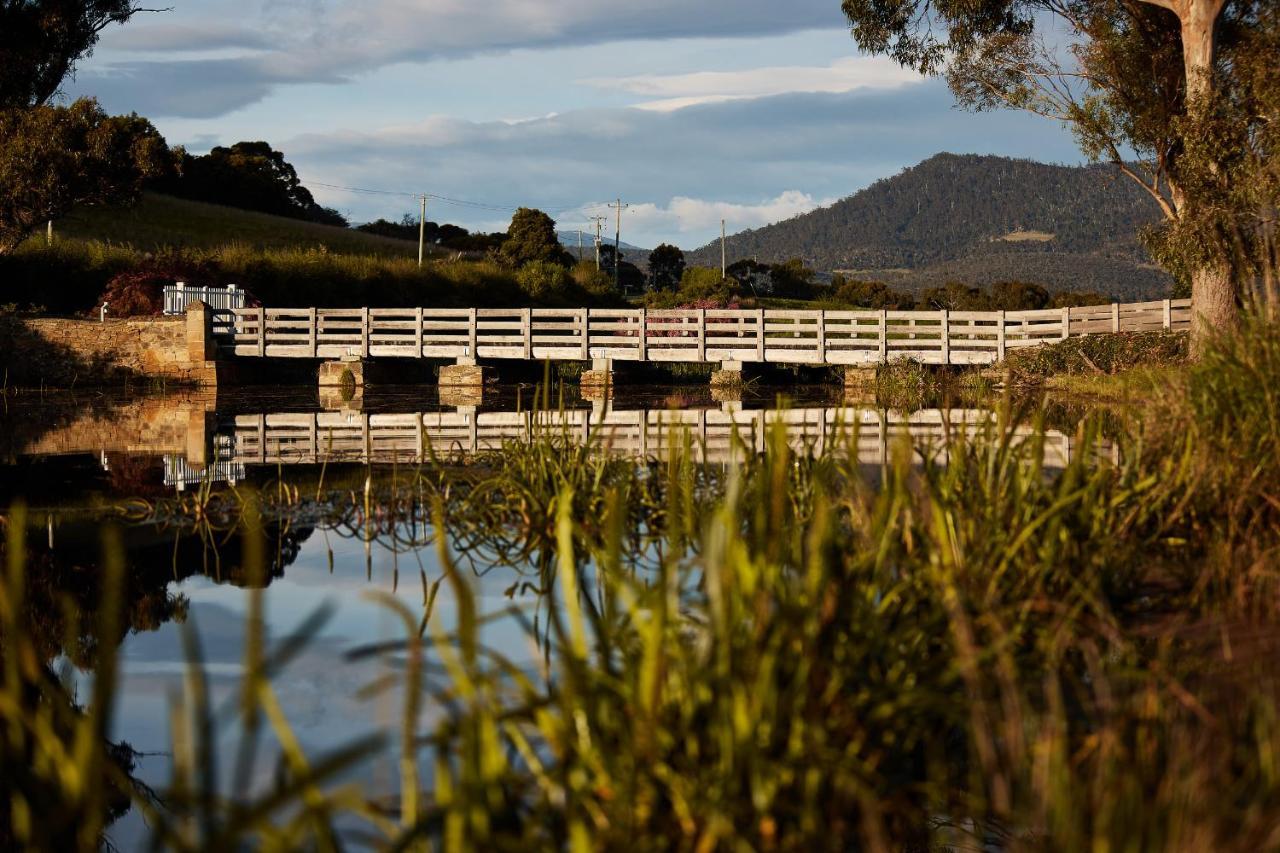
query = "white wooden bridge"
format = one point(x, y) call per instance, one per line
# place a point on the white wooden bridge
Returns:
point(710, 435)
point(726, 336)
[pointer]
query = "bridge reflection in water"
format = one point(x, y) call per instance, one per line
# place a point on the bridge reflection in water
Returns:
point(711, 435)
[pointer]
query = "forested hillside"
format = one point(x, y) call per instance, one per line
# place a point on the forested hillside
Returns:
point(977, 219)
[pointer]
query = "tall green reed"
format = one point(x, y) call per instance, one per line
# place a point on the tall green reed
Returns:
point(817, 656)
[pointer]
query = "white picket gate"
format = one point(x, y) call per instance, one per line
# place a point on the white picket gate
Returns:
point(179, 295)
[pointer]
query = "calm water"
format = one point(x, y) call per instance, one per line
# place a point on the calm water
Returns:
point(70, 457)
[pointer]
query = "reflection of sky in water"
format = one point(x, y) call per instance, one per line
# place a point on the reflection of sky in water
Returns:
point(320, 689)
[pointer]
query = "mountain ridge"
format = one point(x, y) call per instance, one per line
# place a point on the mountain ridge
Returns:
point(977, 219)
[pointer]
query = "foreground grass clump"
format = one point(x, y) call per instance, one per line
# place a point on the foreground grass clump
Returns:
point(1097, 356)
point(787, 654)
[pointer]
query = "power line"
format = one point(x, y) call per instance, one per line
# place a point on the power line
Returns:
point(460, 202)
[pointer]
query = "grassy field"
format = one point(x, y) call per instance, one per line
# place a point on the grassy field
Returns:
point(282, 262)
point(162, 222)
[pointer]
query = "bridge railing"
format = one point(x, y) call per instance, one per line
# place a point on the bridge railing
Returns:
point(788, 336)
point(710, 434)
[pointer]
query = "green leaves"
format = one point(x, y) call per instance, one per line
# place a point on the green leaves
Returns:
point(54, 158)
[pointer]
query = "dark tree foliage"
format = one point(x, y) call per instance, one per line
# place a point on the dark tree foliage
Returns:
point(957, 296)
point(875, 295)
point(54, 158)
point(666, 267)
point(41, 41)
point(631, 278)
point(532, 237)
point(249, 176)
point(792, 280)
point(751, 275)
point(447, 236)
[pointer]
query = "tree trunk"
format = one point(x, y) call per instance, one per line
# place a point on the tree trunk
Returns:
point(1213, 304)
point(1213, 286)
point(1199, 19)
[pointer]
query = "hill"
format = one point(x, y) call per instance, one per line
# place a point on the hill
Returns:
point(160, 222)
point(634, 254)
point(976, 219)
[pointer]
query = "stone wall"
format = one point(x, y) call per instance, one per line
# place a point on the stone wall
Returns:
point(53, 352)
point(153, 426)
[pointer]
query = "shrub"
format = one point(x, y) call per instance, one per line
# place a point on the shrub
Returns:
point(71, 278)
point(904, 384)
point(544, 281)
point(1106, 353)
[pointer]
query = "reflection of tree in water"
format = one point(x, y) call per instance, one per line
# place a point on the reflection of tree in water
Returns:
point(61, 621)
point(155, 557)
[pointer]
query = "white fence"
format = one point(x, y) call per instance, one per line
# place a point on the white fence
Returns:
point(686, 335)
point(180, 295)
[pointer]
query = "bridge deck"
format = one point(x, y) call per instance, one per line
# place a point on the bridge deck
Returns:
point(816, 337)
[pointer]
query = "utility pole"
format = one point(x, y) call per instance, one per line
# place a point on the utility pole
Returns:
point(48, 237)
point(724, 258)
point(617, 242)
point(599, 221)
point(579, 245)
point(422, 229)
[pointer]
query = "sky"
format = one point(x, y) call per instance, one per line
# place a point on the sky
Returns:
point(690, 111)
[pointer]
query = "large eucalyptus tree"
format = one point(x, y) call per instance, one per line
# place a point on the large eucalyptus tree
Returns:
point(1173, 92)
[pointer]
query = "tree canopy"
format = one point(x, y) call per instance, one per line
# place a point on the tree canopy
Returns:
point(629, 276)
point(54, 158)
point(532, 237)
point(445, 235)
point(666, 267)
point(41, 41)
point(250, 176)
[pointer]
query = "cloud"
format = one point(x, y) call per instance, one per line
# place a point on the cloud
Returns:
point(750, 161)
point(163, 34)
point(325, 42)
point(682, 215)
point(678, 91)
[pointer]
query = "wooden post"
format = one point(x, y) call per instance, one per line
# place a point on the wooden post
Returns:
point(1066, 323)
point(1168, 314)
point(702, 334)
point(644, 334)
point(473, 333)
point(760, 352)
point(364, 332)
point(585, 320)
point(1000, 337)
point(945, 333)
point(882, 335)
point(822, 336)
point(526, 330)
point(1115, 316)
point(312, 332)
point(417, 337)
point(262, 331)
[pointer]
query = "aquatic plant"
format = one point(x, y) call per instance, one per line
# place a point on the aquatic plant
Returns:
point(962, 648)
